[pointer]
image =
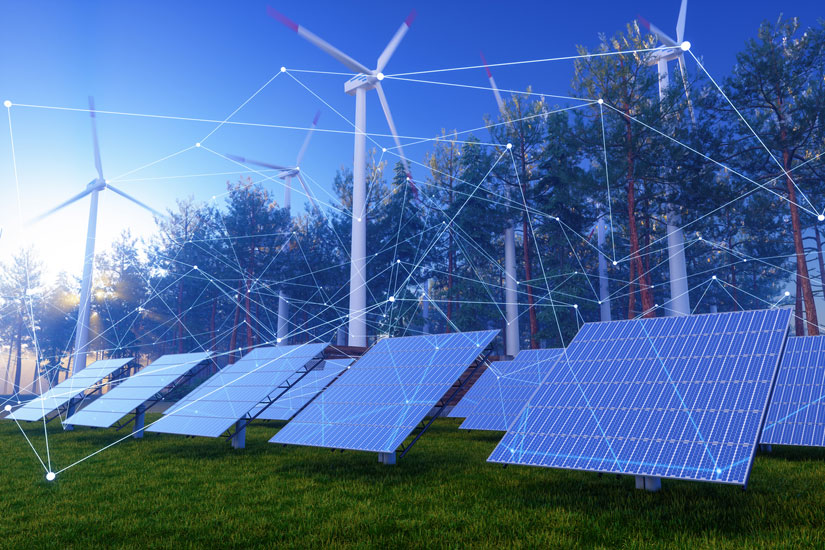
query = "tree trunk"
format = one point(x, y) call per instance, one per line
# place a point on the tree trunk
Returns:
point(233, 340)
point(801, 261)
point(528, 277)
point(641, 275)
point(631, 303)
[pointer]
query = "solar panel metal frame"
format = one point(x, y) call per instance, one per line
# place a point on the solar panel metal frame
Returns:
point(499, 395)
point(74, 389)
point(304, 363)
point(166, 371)
point(305, 390)
point(796, 414)
point(412, 414)
point(770, 335)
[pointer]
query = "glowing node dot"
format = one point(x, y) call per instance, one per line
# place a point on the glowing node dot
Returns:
point(380, 76)
point(7, 103)
point(600, 302)
point(195, 268)
point(714, 277)
point(383, 149)
point(392, 298)
point(7, 408)
point(821, 217)
point(718, 470)
point(398, 261)
point(600, 101)
point(685, 46)
point(359, 219)
point(509, 145)
point(278, 340)
point(787, 293)
point(50, 476)
point(283, 69)
point(575, 306)
point(198, 144)
point(615, 262)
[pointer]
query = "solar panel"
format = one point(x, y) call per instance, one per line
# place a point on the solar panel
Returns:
point(677, 397)
point(386, 393)
point(137, 389)
point(72, 387)
point(228, 396)
point(796, 415)
point(499, 395)
point(305, 390)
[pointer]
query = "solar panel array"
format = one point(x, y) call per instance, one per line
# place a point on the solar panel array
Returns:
point(386, 393)
point(796, 415)
point(72, 387)
point(228, 396)
point(136, 390)
point(305, 390)
point(678, 397)
point(498, 396)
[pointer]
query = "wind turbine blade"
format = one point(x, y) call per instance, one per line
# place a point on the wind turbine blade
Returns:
point(134, 200)
point(62, 204)
point(680, 25)
point(306, 139)
point(683, 70)
point(98, 164)
point(385, 56)
point(653, 29)
point(318, 41)
point(499, 101)
point(391, 124)
point(306, 190)
point(244, 160)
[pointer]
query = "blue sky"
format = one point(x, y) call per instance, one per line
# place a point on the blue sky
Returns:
point(203, 60)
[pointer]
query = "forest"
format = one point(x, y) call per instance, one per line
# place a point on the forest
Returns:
point(735, 162)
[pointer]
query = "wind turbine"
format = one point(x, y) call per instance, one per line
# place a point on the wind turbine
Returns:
point(286, 174)
point(364, 80)
point(679, 295)
point(93, 188)
point(511, 340)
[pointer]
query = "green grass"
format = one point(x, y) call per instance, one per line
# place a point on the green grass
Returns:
point(176, 492)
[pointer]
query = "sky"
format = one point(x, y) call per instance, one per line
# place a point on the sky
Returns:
point(167, 73)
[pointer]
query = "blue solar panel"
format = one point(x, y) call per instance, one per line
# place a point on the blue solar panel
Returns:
point(228, 396)
point(72, 387)
point(305, 390)
point(136, 390)
point(796, 415)
point(679, 397)
point(384, 395)
point(499, 395)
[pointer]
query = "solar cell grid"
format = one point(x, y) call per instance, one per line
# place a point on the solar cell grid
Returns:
point(305, 390)
point(62, 393)
point(676, 397)
point(501, 392)
point(379, 401)
point(228, 396)
point(796, 415)
point(136, 390)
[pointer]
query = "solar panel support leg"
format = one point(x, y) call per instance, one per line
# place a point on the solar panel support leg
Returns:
point(239, 437)
point(649, 483)
point(387, 458)
point(140, 422)
point(69, 412)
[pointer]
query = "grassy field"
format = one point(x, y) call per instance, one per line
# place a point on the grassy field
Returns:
point(175, 492)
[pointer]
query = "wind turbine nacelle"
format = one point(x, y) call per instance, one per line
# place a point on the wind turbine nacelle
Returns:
point(365, 81)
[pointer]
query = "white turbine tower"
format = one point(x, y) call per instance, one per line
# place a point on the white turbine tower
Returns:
point(93, 188)
point(679, 296)
point(364, 80)
point(511, 340)
point(286, 174)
